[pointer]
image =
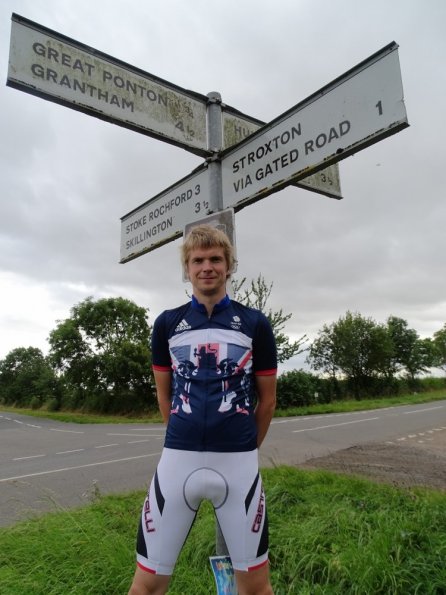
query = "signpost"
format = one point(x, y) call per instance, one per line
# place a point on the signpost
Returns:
point(361, 107)
point(52, 66)
point(356, 110)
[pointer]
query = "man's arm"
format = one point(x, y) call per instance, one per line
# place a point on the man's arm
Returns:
point(266, 404)
point(163, 382)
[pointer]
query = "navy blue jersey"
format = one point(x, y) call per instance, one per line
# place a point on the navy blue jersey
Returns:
point(213, 361)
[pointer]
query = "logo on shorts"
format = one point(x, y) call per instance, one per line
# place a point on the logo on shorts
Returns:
point(148, 519)
point(259, 515)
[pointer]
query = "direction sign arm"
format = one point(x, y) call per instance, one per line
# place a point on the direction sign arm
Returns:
point(59, 69)
point(341, 119)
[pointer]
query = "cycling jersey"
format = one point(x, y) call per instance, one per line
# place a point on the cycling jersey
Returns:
point(213, 360)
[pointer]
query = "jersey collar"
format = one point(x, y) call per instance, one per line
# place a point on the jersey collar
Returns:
point(221, 305)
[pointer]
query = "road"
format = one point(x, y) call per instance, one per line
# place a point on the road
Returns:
point(49, 466)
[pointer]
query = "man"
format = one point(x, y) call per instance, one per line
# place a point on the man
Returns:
point(215, 367)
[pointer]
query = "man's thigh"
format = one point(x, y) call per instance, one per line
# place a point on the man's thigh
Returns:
point(242, 516)
point(166, 518)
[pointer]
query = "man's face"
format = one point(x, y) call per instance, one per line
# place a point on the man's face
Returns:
point(208, 270)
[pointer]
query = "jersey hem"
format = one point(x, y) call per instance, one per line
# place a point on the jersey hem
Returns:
point(145, 568)
point(271, 372)
point(161, 368)
point(256, 566)
point(213, 448)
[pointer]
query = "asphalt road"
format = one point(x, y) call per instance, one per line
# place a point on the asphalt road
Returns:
point(49, 466)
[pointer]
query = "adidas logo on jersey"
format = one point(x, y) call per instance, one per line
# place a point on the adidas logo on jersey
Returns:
point(183, 326)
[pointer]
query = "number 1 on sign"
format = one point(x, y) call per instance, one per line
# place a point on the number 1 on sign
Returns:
point(379, 107)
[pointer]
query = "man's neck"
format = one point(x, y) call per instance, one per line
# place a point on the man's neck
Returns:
point(209, 301)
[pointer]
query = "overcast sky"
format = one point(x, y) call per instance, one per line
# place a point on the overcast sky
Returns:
point(67, 178)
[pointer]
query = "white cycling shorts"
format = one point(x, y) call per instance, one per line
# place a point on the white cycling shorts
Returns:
point(232, 483)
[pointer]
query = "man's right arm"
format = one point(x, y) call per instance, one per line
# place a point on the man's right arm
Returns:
point(163, 383)
point(161, 366)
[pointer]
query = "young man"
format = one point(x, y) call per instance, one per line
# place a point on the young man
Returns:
point(215, 366)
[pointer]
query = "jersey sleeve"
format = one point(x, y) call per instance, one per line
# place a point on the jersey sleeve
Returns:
point(264, 349)
point(161, 360)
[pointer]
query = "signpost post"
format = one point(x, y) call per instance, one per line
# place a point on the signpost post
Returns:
point(300, 147)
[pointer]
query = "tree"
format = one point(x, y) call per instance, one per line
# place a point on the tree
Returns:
point(257, 296)
point(423, 357)
point(409, 352)
point(439, 348)
point(323, 352)
point(355, 346)
point(298, 388)
point(26, 378)
point(103, 353)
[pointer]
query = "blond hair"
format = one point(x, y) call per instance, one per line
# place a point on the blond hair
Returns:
point(206, 236)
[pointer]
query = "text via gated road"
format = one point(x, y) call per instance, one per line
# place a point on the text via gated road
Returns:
point(356, 110)
point(236, 127)
point(163, 217)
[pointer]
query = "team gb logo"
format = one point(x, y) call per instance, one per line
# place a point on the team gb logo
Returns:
point(236, 323)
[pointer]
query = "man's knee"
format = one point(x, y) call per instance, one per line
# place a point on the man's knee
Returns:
point(145, 583)
point(255, 582)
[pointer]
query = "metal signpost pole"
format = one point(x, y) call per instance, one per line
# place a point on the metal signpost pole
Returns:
point(215, 141)
point(221, 562)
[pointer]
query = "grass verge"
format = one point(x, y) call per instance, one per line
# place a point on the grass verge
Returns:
point(78, 417)
point(348, 406)
point(154, 417)
point(330, 534)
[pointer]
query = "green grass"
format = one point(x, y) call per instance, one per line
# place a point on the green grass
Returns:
point(348, 406)
point(78, 417)
point(154, 417)
point(329, 534)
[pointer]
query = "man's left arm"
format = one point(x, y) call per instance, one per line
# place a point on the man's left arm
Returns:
point(266, 404)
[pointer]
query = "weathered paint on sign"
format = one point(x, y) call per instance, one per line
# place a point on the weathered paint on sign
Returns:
point(52, 66)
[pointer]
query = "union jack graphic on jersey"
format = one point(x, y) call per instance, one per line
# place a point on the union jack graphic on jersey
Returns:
point(213, 369)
